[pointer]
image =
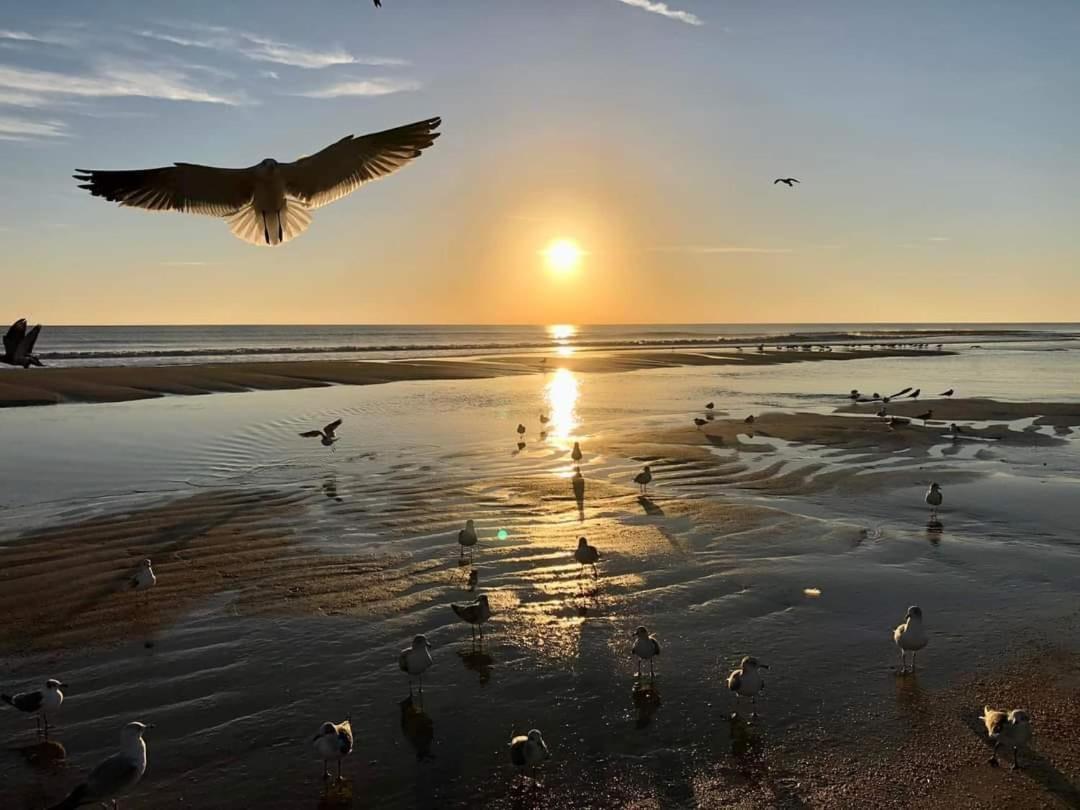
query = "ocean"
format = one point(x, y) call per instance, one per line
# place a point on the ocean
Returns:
point(170, 345)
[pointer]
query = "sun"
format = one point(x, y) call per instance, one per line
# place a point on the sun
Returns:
point(562, 255)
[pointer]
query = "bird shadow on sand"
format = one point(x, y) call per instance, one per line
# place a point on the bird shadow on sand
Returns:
point(337, 795)
point(46, 755)
point(650, 507)
point(478, 661)
point(418, 727)
point(1033, 765)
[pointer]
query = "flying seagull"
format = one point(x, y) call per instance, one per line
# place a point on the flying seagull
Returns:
point(788, 180)
point(268, 203)
point(19, 345)
point(326, 435)
point(116, 775)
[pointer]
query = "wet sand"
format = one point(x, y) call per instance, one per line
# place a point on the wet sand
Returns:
point(50, 386)
point(269, 618)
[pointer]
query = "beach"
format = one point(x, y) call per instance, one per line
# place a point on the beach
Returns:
point(290, 576)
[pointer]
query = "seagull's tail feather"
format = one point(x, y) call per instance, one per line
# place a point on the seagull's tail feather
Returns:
point(73, 800)
point(273, 227)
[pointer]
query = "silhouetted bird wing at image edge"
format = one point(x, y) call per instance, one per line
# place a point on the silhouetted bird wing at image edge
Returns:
point(267, 203)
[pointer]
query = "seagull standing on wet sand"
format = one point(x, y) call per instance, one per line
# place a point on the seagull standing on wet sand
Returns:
point(19, 345)
point(271, 202)
point(334, 741)
point(948, 393)
point(709, 406)
point(144, 578)
point(587, 555)
point(914, 394)
point(528, 751)
point(934, 498)
point(749, 420)
point(326, 435)
point(521, 430)
point(789, 181)
point(746, 681)
point(1007, 728)
point(116, 775)
point(467, 538)
point(910, 637)
point(544, 419)
point(700, 422)
point(643, 478)
point(39, 702)
point(415, 659)
point(645, 648)
point(575, 454)
point(474, 613)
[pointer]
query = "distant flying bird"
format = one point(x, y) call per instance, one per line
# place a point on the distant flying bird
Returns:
point(19, 345)
point(948, 393)
point(788, 180)
point(326, 434)
point(643, 478)
point(1012, 729)
point(268, 203)
point(115, 775)
point(38, 702)
point(334, 741)
point(645, 648)
point(910, 636)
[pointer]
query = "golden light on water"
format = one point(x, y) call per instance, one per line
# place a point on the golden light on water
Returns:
point(562, 331)
point(562, 256)
point(561, 393)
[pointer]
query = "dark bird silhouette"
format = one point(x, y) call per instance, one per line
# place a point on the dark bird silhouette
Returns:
point(586, 554)
point(575, 454)
point(700, 422)
point(915, 394)
point(643, 478)
point(749, 420)
point(19, 345)
point(521, 430)
point(789, 181)
point(948, 393)
point(474, 614)
point(378, 3)
point(925, 416)
point(271, 202)
point(326, 435)
point(709, 406)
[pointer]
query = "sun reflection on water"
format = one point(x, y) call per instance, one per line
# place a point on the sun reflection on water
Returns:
point(561, 393)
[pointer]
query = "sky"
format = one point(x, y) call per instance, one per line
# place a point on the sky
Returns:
point(937, 144)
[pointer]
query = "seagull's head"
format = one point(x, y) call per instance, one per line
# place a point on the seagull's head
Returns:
point(538, 738)
point(482, 599)
point(935, 486)
point(914, 612)
point(420, 642)
point(52, 683)
point(268, 163)
point(145, 563)
point(470, 525)
point(749, 662)
point(135, 730)
point(582, 542)
point(325, 730)
point(642, 632)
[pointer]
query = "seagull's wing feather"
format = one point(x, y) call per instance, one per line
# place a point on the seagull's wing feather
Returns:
point(343, 167)
point(184, 187)
point(329, 429)
point(26, 345)
point(113, 776)
point(14, 336)
point(311, 434)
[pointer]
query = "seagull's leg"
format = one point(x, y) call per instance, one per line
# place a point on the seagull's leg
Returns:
point(993, 754)
point(913, 661)
point(38, 721)
point(421, 683)
point(46, 715)
point(1016, 758)
point(903, 661)
point(339, 769)
point(652, 671)
point(325, 770)
point(753, 705)
point(410, 686)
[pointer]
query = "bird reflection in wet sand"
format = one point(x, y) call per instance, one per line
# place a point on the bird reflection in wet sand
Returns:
point(46, 754)
point(934, 529)
point(479, 662)
point(330, 490)
point(578, 483)
point(743, 739)
point(520, 448)
point(647, 701)
point(418, 728)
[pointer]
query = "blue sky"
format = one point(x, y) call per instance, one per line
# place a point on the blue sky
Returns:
point(938, 144)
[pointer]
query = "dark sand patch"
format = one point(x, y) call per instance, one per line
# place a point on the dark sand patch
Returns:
point(49, 386)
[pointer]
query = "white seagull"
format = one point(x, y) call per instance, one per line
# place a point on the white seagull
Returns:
point(144, 578)
point(116, 775)
point(415, 659)
point(1007, 728)
point(910, 636)
point(268, 203)
point(467, 538)
point(934, 498)
point(528, 751)
point(746, 681)
point(587, 555)
point(39, 702)
point(326, 436)
point(645, 648)
point(334, 741)
point(643, 478)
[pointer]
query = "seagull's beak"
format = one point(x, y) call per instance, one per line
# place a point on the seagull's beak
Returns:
point(762, 666)
point(428, 643)
point(63, 686)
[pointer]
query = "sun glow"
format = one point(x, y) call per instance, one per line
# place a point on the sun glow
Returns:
point(563, 256)
point(561, 394)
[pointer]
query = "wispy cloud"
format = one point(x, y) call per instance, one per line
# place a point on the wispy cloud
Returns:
point(21, 129)
point(265, 49)
point(703, 249)
point(665, 11)
point(183, 264)
point(363, 87)
point(18, 36)
point(939, 239)
point(114, 80)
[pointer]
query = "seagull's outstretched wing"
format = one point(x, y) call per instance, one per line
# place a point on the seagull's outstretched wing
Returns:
point(183, 187)
point(26, 344)
point(311, 434)
point(329, 429)
point(777, 180)
point(343, 167)
point(15, 333)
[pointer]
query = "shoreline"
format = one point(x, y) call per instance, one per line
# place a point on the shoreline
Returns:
point(99, 384)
